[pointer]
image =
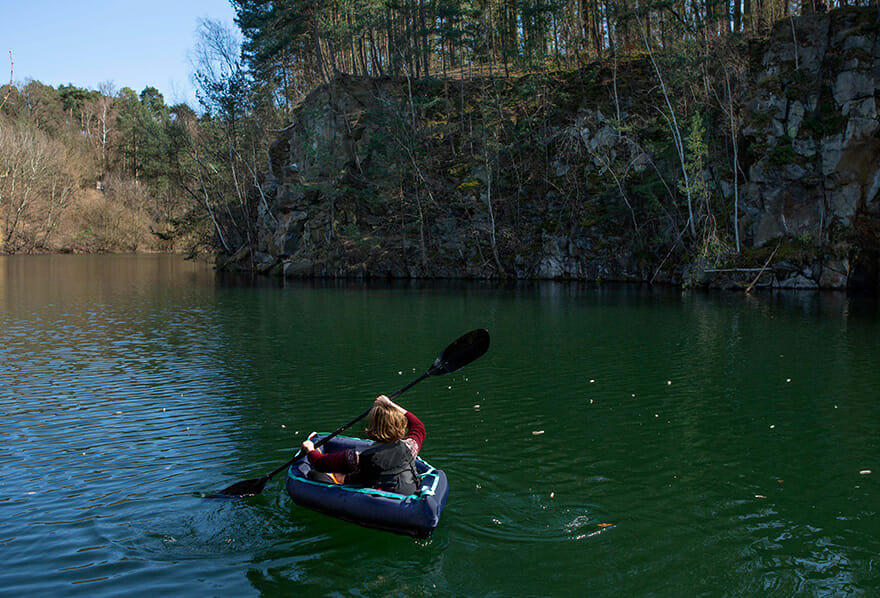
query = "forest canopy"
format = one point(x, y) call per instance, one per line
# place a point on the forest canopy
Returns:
point(295, 44)
point(119, 170)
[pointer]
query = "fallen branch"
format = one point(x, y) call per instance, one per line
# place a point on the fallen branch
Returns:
point(671, 249)
point(767, 263)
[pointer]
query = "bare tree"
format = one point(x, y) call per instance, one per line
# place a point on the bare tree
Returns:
point(674, 130)
point(223, 89)
point(101, 120)
point(34, 190)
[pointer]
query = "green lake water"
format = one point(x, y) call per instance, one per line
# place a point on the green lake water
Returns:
point(614, 441)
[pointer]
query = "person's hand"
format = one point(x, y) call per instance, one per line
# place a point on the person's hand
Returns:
point(383, 400)
point(308, 446)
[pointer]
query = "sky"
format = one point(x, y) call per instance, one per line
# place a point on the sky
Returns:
point(90, 42)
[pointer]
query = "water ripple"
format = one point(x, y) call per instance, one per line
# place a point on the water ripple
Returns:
point(655, 447)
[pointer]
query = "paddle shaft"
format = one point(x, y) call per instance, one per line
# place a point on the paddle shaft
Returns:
point(346, 426)
point(461, 352)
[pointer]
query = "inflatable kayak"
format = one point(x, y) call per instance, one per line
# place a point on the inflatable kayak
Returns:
point(413, 515)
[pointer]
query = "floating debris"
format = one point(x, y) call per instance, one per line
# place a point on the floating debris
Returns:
point(477, 406)
point(605, 525)
point(865, 472)
point(537, 432)
point(760, 496)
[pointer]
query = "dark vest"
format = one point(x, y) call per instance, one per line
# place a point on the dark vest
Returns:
point(389, 467)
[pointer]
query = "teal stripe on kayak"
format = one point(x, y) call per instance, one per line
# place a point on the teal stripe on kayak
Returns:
point(372, 491)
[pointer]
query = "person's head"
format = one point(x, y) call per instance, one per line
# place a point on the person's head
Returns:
point(387, 424)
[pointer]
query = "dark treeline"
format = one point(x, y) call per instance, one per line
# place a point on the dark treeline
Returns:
point(298, 43)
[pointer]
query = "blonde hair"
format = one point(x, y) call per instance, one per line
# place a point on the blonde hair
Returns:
point(387, 424)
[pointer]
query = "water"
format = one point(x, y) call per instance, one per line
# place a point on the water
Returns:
point(615, 441)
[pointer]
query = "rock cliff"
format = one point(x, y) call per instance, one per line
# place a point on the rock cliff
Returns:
point(572, 176)
point(813, 122)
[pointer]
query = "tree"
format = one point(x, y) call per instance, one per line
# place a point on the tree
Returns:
point(228, 93)
point(35, 187)
point(100, 121)
point(44, 108)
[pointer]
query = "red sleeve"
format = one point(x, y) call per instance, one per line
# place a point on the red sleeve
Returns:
point(416, 429)
point(338, 462)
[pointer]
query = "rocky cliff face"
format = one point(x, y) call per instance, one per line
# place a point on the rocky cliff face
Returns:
point(813, 122)
point(360, 188)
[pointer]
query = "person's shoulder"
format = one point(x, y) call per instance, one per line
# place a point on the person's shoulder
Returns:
point(412, 444)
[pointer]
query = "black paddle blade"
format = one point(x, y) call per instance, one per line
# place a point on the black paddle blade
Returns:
point(250, 487)
point(461, 352)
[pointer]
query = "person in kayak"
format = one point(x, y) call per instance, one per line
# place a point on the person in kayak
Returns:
point(388, 465)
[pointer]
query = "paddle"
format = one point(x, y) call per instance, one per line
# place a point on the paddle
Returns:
point(461, 352)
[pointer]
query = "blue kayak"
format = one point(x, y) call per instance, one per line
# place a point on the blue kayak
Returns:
point(413, 515)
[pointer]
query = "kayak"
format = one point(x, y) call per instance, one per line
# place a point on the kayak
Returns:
point(414, 515)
